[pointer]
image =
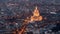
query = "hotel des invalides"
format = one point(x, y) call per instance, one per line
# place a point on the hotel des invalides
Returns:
point(36, 16)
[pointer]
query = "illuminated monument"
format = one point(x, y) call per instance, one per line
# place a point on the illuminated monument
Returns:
point(36, 15)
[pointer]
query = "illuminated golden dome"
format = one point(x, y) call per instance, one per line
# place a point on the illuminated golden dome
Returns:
point(36, 12)
point(36, 15)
